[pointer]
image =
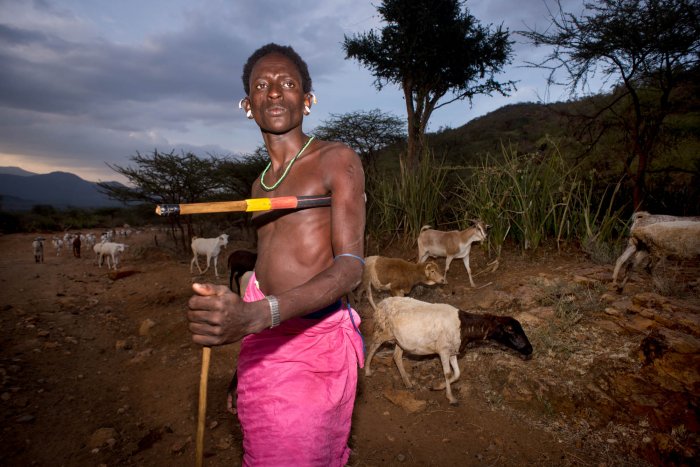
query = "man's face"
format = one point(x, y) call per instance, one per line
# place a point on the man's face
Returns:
point(276, 94)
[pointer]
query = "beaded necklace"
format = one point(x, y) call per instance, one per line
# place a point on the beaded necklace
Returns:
point(286, 171)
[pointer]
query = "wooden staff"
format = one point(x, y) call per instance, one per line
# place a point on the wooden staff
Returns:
point(245, 205)
point(202, 415)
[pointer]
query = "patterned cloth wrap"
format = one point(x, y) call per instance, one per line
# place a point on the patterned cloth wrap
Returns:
point(296, 388)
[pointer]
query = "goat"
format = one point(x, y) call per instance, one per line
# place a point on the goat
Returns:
point(657, 237)
point(76, 246)
point(38, 247)
point(397, 276)
point(239, 262)
point(452, 244)
point(57, 244)
point(422, 328)
point(210, 247)
point(111, 250)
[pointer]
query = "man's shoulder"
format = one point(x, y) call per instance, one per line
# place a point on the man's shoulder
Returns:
point(335, 149)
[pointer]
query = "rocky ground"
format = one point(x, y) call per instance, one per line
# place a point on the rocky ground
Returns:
point(98, 368)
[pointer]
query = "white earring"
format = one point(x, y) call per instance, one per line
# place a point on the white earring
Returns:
point(240, 103)
point(249, 114)
point(313, 98)
point(307, 110)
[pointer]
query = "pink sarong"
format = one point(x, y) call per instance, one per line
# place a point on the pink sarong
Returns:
point(296, 389)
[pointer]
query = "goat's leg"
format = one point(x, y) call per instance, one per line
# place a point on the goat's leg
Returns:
point(398, 359)
point(216, 262)
point(626, 255)
point(376, 343)
point(208, 264)
point(193, 262)
point(465, 260)
point(422, 255)
point(369, 296)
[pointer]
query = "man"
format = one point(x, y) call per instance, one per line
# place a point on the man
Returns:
point(297, 368)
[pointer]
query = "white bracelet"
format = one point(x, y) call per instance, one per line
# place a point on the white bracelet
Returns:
point(274, 310)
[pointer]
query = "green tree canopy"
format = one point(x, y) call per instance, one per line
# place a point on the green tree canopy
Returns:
point(432, 48)
point(366, 132)
point(169, 178)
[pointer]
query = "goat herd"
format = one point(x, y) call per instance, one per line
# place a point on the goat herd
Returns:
point(422, 328)
point(105, 248)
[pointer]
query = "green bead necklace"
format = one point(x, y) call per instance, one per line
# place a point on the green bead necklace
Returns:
point(286, 171)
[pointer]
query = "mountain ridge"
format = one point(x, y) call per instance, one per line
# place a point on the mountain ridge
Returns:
point(61, 190)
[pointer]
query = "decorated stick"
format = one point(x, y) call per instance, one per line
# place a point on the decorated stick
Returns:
point(245, 205)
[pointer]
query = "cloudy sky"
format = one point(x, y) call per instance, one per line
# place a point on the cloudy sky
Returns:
point(89, 82)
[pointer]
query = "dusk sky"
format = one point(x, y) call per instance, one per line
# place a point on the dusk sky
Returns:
point(89, 82)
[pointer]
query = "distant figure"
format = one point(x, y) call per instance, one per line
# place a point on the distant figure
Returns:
point(76, 246)
point(38, 245)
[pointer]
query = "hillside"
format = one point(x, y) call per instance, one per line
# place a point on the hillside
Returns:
point(59, 189)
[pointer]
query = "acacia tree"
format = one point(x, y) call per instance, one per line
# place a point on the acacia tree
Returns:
point(167, 178)
point(645, 46)
point(364, 131)
point(431, 48)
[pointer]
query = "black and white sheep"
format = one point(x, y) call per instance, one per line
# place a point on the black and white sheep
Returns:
point(422, 328)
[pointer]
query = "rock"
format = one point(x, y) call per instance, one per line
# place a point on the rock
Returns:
point(141, 356)
point(122, 344)
point(223, 444)
point(179, 446)
point(405, 400)
point(542, 312)
point(526, 318)
point(145, 328)
point(490, 299)
point(587, 281)
point(25, 418)
point(102, 437)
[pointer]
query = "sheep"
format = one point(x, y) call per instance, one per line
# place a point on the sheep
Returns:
point(452, 244)
point(397, 276)
point(422, 328)
point(111, 250)
point(210, 247)
point(657, 237)
point(38, 247)
point(239, 262)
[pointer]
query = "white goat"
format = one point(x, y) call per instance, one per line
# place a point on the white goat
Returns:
point(111, 250)
point(38, 247)
point(209, 247)
point(422, 328)
point(661, 237)
point(452, 244)
point(57, 244)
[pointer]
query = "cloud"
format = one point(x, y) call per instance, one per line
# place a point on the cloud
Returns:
point(88, 82)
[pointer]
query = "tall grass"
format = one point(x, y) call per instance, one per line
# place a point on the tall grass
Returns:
point(399, 204)
point(538, 196)
point(526, 198)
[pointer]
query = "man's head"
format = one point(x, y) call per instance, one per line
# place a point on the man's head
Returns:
point(288, 52)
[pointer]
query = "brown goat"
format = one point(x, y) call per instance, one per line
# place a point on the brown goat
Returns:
point(396, 275)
